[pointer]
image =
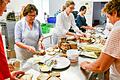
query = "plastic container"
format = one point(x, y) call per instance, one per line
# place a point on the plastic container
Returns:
point(73, 55)
point(45, 28)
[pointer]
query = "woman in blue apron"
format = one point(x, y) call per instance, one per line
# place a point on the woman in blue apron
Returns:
point(28, 35)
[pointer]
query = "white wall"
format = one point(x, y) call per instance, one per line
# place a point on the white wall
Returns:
point(38, 4)
point(45, 6)
point(51, 6)
point(42, 6)
point(55, 5)
point(16, 5)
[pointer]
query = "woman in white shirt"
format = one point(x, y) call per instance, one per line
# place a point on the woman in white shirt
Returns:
point(64, 21)
point(110, 56)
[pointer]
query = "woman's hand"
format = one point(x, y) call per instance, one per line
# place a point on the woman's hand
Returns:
point(81, 34)
point(84, 64)
point(31, 49)
point(41, 52)
point(90, 28)
point(76, 36)
point(15, 74)
point(41, 45)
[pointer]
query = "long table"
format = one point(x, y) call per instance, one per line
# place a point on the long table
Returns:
point(73, 72)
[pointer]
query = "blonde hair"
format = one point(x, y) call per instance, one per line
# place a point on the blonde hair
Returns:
point(63, 8)
point(67, 4)
point(111, 7)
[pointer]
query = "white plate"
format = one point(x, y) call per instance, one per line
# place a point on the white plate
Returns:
point(62, 63)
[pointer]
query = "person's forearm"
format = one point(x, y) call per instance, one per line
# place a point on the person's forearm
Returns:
point(83, 27)
point(27, 47)
point(40, 44)
point(100, 65)
point(87, 27)
point(21, 45)
point(41, 38)
point(96, 67)
point(70, 33)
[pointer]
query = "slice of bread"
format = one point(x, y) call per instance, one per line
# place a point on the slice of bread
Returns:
point(54, 78)
point(43, 76)
point(27, 77)
point(56, 74)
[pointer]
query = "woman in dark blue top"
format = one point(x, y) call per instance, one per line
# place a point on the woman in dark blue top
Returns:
point(81, 20)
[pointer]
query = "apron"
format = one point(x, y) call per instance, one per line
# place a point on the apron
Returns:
point(29, 37)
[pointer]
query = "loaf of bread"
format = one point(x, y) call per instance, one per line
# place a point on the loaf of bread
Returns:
point(73, 45)
point(84, 39)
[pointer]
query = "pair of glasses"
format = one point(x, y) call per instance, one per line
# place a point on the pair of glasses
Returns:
point(32, 15)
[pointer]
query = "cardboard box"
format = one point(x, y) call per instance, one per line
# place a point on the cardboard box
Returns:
point(11, 54)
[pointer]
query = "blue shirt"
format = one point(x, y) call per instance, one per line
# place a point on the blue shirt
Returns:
point(81, 21)
point(24, 34)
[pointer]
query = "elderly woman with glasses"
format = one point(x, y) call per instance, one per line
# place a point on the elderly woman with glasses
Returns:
point(28, 35)
point(64, 21)
point(110, 56)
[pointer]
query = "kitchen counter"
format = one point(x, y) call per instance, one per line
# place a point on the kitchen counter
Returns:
point(71, 73)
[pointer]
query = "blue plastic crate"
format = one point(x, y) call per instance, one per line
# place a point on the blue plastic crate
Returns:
point(51, 20)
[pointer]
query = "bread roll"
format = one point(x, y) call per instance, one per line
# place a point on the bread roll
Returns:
point(73, 45)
